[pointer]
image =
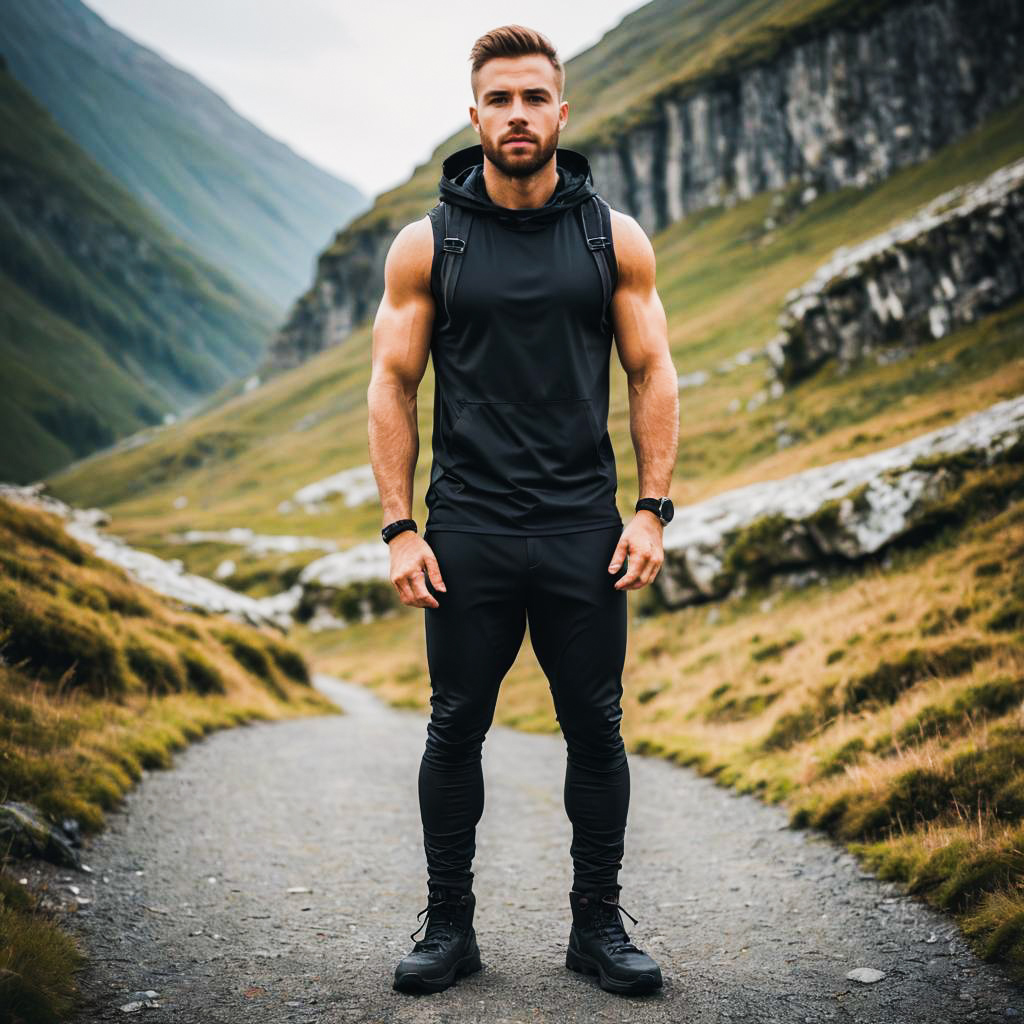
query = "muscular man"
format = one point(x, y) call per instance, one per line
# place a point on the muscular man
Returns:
point(516, 284)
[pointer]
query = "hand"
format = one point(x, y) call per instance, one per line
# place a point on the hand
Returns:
point(641, 542)
point(410, 556)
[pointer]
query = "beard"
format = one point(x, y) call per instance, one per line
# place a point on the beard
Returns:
point(521, 166)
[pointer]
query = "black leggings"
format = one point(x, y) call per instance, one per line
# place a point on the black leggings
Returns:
point(561, 583)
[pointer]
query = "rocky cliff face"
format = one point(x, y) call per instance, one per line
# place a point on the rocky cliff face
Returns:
point(958, 258)
point(845, 104)
point(347, 289)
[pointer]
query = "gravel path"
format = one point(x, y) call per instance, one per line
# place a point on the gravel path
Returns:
point(750, 921)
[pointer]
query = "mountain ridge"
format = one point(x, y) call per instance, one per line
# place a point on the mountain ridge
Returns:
point(242, 198)
point(109, 322)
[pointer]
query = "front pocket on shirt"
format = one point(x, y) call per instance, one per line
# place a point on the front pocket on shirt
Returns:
point(525, 445)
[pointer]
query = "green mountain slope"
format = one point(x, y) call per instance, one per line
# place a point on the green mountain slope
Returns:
point(923, 772)
point(723, 288)
point(737, 691)
point(108, 322)
point(241, 199)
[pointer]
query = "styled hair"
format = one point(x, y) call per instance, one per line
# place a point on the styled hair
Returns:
point(514, 41)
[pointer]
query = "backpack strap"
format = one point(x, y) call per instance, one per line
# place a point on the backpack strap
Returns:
point(458, 222)
point(595, 214)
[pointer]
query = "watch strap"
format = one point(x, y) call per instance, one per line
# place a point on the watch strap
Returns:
point(654, 505)
point(397, 527)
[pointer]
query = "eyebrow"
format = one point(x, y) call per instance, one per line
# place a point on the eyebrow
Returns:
point(536, 89)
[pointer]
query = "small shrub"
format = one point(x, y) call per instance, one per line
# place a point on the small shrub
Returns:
point(941, 620)
point(1009, 618)
point(203, 676)
point(157, 670)
point(62, 643)
point(774, 650)
point(252, 658)
point(790, 728)
point(38, 964)
point(847, 754)
point(885, 683)
point(290, 661)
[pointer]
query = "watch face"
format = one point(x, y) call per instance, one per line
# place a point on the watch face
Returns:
point(667, 510)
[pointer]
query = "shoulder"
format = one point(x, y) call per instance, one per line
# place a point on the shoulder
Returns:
point(411, 254)
point(634, 253)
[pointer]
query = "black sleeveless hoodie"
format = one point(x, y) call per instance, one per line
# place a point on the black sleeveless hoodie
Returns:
point(521, 364)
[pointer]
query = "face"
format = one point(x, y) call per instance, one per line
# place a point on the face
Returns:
point(518, 97)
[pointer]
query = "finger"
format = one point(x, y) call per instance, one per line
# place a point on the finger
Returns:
point(651, 569)
point(618, 554)
point(424, 598)
point(637, 561)
point(650, 572)
point(434, 572)
point(648, 559)
point(404, 593)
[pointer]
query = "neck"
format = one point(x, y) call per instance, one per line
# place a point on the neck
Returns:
point(521, 193)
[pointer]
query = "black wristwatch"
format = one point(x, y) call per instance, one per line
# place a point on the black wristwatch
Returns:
point(395, 528)
point(661, 507)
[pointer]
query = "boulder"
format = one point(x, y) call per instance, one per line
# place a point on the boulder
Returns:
point(957, 259)
point(847, 510)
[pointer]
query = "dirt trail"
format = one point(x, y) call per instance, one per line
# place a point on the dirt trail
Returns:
point(750, 921)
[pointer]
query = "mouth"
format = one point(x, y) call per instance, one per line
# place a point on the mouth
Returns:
point(517, 141)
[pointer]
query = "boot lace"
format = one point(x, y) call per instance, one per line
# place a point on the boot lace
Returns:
point(440, 922)
point(608, 924)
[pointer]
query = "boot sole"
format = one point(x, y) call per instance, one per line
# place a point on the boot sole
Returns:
point(413, 982)
point(583, 964)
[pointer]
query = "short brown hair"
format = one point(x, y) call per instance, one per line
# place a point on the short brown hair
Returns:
point(514, 41)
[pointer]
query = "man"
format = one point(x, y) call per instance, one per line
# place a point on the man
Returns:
point(518, 311)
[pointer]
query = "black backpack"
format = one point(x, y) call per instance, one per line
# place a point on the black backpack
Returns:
point(458, 222)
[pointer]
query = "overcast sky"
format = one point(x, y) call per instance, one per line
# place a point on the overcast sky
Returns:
point(364, 90)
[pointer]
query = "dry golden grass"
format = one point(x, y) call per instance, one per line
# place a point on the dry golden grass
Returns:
point(100, 678)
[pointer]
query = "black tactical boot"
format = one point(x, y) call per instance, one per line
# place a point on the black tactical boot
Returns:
point(447, 950)
point(598, 944)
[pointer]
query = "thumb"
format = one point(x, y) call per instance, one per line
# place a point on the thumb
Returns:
point(434, 572)
point(619, 554)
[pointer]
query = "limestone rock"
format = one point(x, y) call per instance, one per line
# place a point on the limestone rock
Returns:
point(25, 832)
point(958, 258)
point(847, 510)
point(165, 576)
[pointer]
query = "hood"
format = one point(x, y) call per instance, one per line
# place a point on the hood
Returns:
point(462, 184)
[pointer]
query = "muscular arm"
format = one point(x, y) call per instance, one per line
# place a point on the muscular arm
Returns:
point(401, 346)
point(641, 338)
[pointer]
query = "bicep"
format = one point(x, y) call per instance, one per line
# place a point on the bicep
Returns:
point(638, 316)
point(405, 317)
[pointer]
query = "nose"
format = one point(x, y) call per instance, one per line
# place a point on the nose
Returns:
point(517, 115)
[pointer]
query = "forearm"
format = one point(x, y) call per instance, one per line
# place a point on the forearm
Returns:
point(654, 425)
point(394, 447)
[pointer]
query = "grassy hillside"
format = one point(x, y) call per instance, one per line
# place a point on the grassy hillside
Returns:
point(242, 200)
point(722, 278)
point(108, 322)
point(883, 706)
point(99, 679)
